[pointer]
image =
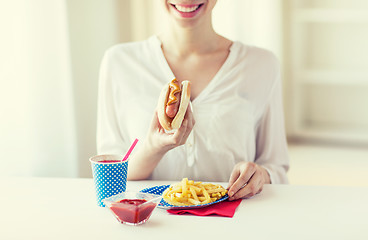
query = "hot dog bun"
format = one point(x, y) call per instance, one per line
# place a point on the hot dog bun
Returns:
point(173, 123)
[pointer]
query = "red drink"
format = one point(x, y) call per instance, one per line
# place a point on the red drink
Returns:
point(109, 161)
point(133, 211)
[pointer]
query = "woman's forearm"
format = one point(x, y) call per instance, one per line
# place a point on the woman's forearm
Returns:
point(143, 163)
point(156, 145)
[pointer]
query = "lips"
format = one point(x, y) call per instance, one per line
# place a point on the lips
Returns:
point(187, 11)
point(187, 8)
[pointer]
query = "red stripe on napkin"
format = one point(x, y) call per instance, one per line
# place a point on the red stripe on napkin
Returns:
point(224, 209)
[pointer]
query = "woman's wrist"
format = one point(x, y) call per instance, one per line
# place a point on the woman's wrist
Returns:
point(153, 150)
point(144, 162)
point(267, 176)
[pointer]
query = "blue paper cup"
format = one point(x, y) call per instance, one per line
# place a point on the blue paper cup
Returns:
point(109, 175)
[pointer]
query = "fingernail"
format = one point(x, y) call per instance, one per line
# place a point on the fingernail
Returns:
point(231, 193)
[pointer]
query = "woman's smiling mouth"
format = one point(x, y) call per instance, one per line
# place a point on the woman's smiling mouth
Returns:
point(186, 8)
point(187, 11)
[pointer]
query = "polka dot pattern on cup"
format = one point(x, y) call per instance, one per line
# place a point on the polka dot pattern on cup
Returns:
point(110, 179)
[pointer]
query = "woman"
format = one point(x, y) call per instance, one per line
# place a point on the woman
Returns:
point(234, 129)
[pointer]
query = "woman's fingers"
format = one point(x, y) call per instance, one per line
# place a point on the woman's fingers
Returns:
point(253, 187)
point(233, 177)
point(181, 135)
point(168, 140)
point(178, 135)
point(246, 180)
point(189, 125)
point(246, 171)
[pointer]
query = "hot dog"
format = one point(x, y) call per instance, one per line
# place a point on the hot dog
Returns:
point(173, 103)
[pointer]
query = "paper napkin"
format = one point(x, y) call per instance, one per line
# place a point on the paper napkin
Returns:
point(224, 209)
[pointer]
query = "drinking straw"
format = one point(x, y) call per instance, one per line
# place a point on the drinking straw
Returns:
point(130, 150)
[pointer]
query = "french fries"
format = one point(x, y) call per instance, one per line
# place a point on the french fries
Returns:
point(187, 192)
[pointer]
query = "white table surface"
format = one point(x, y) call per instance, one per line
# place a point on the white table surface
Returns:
point(49, 208)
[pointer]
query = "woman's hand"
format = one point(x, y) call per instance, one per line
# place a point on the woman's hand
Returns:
point(246, 180)
point(161, 141)
point(157, 143)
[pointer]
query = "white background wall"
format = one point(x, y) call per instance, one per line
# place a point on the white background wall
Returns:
point(93, 27)
point(37, 126)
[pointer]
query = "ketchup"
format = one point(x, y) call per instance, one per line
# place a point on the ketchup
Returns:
point(132, 210)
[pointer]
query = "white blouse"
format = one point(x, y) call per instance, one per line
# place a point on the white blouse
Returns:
point(239, 115)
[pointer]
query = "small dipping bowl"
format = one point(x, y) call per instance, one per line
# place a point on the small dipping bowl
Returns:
point(132, 208)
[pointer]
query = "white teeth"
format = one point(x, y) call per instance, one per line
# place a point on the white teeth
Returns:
point(186, 9)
